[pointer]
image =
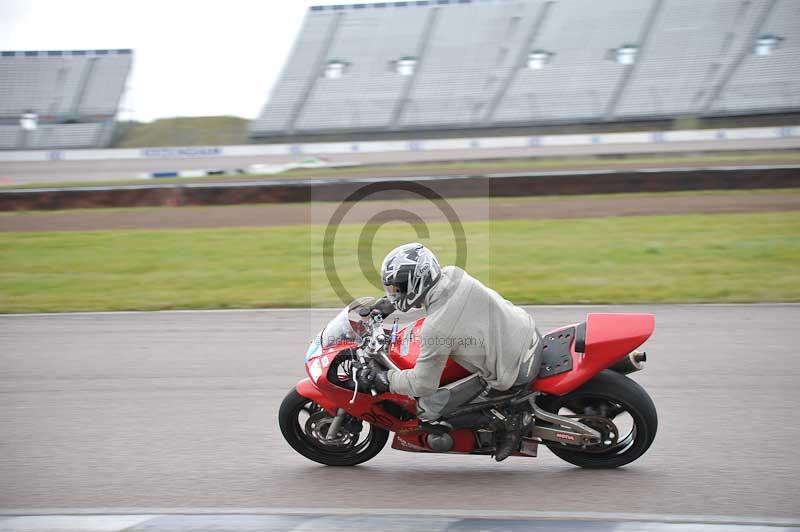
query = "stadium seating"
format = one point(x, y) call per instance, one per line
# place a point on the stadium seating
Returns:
point(9, 137)
point(372, 43)
point(497, 63)
point(75, 95)
point(65, 135)
point(467, 58)
point(579, 82)
point(770, 79)
point(694, 46)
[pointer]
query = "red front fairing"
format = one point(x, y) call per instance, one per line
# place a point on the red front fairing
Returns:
point(416, 442)
point(609, 337)
point(319, 388)
point(403, 352)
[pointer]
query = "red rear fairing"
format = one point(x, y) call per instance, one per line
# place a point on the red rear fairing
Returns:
point(609, 337)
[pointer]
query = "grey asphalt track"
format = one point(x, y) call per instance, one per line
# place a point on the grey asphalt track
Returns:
point(20, 173)
point(178, 409)
point(318, 522)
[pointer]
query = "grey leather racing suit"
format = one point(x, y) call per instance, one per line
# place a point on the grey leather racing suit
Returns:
point(486, 334)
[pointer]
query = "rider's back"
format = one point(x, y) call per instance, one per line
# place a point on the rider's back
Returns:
point(480, 330)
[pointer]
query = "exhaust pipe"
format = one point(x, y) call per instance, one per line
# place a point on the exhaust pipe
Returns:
point(633, 362)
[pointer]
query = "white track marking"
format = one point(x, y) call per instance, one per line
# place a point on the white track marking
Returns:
point(78, 523)
point(455, 513)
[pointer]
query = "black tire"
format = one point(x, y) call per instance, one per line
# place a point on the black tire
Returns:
point(624, 392)
point(289, 420)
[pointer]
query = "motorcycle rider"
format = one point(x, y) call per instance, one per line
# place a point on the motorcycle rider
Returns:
point(486, 334)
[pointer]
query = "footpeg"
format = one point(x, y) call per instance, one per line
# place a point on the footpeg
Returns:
point(498, 415)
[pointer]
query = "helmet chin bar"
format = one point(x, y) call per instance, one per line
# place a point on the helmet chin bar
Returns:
point(403, 300)
point(398, 297)
point(410, 299)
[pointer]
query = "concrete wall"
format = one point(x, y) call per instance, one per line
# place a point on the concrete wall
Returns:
point(422, 145)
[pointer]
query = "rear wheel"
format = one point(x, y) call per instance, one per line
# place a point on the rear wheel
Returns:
point(305, 425)
point(615, 406)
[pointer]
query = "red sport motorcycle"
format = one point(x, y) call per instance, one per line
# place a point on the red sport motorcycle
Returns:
point(582, 406)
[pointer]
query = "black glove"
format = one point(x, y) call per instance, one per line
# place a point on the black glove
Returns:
point(385, 306)
point(373, 377)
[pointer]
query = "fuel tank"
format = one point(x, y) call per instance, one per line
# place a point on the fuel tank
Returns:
point(406, 347)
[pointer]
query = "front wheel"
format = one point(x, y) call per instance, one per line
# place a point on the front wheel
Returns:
point(618, 408)
point(305, 424)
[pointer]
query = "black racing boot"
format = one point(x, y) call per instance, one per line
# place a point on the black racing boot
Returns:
point(509, 437)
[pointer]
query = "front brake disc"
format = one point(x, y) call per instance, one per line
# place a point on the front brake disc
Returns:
point(317, 426)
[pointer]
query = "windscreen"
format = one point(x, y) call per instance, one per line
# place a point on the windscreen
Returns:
point(346, 327)
point(338, 330)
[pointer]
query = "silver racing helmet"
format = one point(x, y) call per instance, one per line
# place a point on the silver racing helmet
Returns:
point(408, 272)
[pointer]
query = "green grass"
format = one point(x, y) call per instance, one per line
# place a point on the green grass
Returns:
point(657, 259)
point(465, 167)
point(185, 131)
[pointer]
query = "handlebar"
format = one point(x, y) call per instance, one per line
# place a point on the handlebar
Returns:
point(373, 345)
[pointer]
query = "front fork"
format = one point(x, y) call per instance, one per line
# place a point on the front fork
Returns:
point(336, 424)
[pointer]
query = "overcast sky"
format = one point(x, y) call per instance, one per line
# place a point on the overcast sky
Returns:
point(191, 58)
